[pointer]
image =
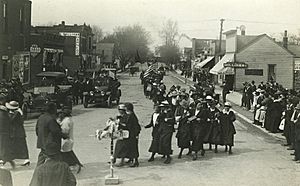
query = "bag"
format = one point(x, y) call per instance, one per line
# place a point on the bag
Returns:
point(282, 123)
point(67, 145)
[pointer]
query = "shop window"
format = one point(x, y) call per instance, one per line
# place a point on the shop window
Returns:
point(254, 72)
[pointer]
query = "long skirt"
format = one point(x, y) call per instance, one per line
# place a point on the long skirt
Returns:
point(154, 147)
point(122, 149)
point(70, 158)
point(165, 143)
point(199, 131)
point(19, 148)
point(5, 148)
point(133, 148)
point(184, 136)
point(287, 130)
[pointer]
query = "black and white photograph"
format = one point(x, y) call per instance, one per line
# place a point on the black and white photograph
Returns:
point(150, 92)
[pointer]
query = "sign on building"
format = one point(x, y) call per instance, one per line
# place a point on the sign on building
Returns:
point(77, 40)
point(236, 65)
point(35, 50)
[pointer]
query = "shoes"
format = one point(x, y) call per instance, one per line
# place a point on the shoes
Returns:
point(151, 159)
point(119, 165)
point(295, 159)
point(230, 152)
point(195, 157)
point(163, 156)
point(189, 153)
point(290, 148)
point(168, 160)
point(26, 163)
point(202, 152)
point(216, 150)
point(135, 164)
point(129, 161)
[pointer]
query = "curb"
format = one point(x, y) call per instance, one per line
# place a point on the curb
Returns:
point(246, 119)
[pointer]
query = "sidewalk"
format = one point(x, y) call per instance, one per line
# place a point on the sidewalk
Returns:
point(235, 99)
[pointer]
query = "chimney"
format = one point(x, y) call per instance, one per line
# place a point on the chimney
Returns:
point(243, 30)
point(285, 39)
point(63, 23)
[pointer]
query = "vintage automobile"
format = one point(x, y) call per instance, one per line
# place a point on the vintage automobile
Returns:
point(48, 87)
point(104, 89)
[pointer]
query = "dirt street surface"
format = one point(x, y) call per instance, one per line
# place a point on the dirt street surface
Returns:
point(257, 159)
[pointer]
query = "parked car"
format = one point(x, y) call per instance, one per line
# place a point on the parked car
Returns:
point(104, 89)
point(48, 87)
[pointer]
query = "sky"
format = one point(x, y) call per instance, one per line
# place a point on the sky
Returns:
point(196, 18)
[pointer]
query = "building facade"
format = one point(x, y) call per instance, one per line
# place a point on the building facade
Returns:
point(78, 44)
point(105, 53)
point(15, 23)
point(254, 58)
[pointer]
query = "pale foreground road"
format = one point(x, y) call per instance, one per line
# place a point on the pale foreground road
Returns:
point(258, 159)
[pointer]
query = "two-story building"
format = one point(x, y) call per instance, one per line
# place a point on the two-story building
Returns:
point(15, 23)
point(78, 46)
point(254, 58)
point(105, 54)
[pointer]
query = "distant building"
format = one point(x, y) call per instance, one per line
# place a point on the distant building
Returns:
point(254, 58)
point(78, 46)
point(105, 53)
point(295, 50)
point(15, 21)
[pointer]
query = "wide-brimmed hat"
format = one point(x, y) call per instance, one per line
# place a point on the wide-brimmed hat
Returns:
point(227, 104)
point(121, 107)
point(12, 105)
point(209, 98)
point(52, 149)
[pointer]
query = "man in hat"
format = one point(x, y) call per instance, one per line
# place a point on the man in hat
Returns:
point(48, 130)
point(53, 171)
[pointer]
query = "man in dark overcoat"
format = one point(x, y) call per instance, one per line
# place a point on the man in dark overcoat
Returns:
point(47, 131)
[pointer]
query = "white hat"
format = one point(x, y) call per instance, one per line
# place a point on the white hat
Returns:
point(12, 105)
point(209, 98)
point(227, 104)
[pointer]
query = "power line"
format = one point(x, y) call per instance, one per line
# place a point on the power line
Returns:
point(262, 22)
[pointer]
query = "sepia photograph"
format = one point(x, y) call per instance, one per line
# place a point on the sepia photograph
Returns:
point(150, 92)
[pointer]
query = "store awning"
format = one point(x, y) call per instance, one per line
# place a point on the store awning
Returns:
point(203, 63)
point(219, 67)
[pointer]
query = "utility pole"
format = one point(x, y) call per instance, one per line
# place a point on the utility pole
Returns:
point(221, 31)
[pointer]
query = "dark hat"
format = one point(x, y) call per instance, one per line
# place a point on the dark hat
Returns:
point(52, 149)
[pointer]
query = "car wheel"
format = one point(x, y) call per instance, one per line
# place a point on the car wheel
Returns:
point(85, 102)
point(25, 111)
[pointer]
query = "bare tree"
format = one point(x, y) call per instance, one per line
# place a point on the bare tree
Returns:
point(98, 33)
point(169, 32)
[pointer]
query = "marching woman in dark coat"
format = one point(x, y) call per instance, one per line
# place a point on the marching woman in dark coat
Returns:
point(155, 135)
point(166, 122)
point(5, 142)
point(228, 131)
point(134, 131)
point(122, 145)
point(214, 132)
point(17, 133)
point(184, 128)
point(199, 126)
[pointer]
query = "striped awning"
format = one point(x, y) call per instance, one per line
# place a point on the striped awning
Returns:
point(219, 67)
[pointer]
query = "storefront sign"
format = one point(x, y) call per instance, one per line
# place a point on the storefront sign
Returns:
point(21, 67)
point(35, 50)
point(236, 65)
point(77, 40)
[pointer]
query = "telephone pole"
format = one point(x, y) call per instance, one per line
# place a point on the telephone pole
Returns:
point(221, 31)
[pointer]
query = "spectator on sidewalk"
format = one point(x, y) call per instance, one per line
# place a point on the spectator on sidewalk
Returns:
point(225, 91)
point(244, 95)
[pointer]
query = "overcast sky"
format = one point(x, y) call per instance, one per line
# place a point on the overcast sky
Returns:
point(196, 18)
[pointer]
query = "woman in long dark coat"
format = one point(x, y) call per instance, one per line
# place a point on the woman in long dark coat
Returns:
point(155, 135)
point(17, 133)
point(183, 135)
point(199, 128)
point(214, 131)
point(5, 142)
point(228, 130)
point(166, 122)
point(122, 145)
point(134, 131)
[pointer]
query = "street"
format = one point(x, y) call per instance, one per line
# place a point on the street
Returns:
point(257, 159)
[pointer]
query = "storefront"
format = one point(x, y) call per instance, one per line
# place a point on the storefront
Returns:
point(21, 67)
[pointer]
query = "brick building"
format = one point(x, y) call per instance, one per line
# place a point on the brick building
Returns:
point(15, 23)
point(78, 46)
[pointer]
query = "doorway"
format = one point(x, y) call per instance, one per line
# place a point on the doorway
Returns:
point(271, 73)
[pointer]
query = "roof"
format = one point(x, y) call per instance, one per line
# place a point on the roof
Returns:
point(243, 41)
point(51, 74)
point(294, 49)
point(204, 62)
